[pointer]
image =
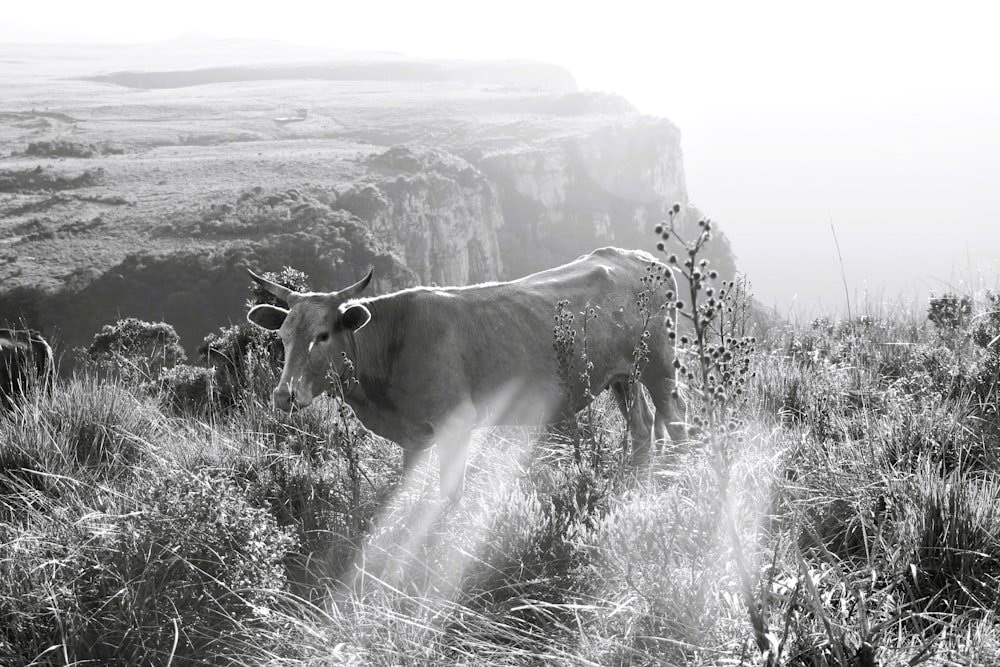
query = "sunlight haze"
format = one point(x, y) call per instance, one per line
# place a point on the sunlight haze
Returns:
point(878, 117)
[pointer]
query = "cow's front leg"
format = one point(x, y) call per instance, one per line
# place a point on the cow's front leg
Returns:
point(453, 449)
point(412, 458)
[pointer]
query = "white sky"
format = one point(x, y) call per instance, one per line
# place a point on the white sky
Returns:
point(882, 116)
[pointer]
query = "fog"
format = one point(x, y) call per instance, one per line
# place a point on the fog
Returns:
point(878, 122)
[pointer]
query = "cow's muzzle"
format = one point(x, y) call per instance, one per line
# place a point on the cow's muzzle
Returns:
point(288, 398)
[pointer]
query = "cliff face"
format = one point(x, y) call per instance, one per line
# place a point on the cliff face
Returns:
point(524, 207)
point(430, 174)
point(568, 196)
point(435, 210)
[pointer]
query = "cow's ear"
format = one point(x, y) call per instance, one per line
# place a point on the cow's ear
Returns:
point(354, 316)
point(267, 316)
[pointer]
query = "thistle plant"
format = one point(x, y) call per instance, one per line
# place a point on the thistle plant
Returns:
point(717, 377)
point(347, 431)
point(650, 304)
point(721, 369)
point(657, 275)
point(574, 369)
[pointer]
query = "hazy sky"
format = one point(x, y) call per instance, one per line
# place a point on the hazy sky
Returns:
point(879, 116)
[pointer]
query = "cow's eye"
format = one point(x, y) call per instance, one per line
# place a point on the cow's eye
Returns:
point(322, 337)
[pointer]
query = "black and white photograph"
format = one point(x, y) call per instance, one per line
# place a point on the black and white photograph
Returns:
point(499, 333)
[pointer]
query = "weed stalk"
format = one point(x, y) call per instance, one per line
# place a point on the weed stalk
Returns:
point(717, 380)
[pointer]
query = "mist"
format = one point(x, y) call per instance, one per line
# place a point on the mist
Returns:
point(878, 123)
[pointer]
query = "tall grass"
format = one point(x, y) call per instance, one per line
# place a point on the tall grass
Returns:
point(863, 487)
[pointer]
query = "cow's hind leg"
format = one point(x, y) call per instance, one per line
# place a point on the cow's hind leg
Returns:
point(635, 411)
point(670, 411)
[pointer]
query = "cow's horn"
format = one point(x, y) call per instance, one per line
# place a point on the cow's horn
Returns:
point(275, 289)
point(358, 287)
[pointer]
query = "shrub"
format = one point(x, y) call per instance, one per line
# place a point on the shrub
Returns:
point(193, 574)
point(136, 349)
point(245, 357)
point(246, 360)
point(187, 389)
point(293, 279)
point(986, 328)
point(61, 148)
point(328, 505)
point(949, 312)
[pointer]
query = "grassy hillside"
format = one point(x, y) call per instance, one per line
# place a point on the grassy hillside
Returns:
point(836, 504)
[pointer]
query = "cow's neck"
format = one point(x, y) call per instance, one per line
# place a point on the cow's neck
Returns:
point(370, 351)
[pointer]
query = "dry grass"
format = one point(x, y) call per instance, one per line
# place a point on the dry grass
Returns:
point(866, 514)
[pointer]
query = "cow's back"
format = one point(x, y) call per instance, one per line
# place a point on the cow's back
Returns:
point(590, 276)
point(496, 341)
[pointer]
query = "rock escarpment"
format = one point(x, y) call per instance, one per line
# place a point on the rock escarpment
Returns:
point(570, 195)
point(459, 214)
point(446, 180)
point(436, 211)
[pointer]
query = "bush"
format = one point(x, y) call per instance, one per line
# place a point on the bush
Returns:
point(193, 574)
point(949, 312)
point(61, 148)
point(187, 389)
point(246, 361)
point(986, 330)
point(136, 349)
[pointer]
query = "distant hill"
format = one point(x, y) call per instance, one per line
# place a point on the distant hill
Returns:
point(514, 73)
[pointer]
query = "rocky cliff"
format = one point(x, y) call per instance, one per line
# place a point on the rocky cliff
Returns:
point(436, 211)
point(565, 197)
point(429, 181)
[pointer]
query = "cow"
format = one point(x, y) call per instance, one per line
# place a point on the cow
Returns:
point(26, 360)
point(426, 365)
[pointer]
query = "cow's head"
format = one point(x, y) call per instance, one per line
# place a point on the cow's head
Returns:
point(315, 330)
